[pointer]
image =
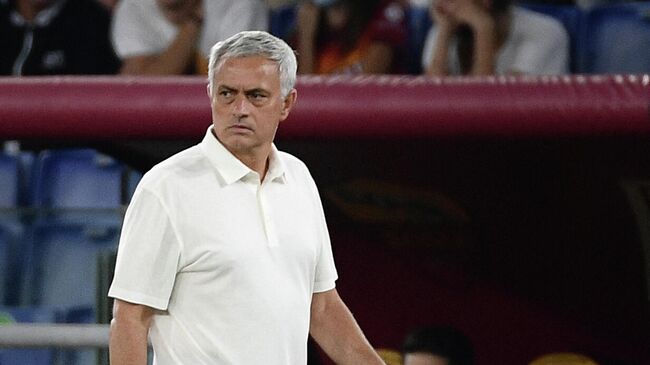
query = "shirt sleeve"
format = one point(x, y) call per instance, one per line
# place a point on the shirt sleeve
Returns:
point(224, 19)
point(148, 254)
point(129, 32)
point(545, 51)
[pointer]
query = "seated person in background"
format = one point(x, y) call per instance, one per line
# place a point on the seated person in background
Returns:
point(277, 4)
point(173, 37)
point(350, 36)
point(55, 37)
point(437, 346)
point(488, 37)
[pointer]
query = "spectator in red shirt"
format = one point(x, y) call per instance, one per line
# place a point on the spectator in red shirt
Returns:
point(350, 36)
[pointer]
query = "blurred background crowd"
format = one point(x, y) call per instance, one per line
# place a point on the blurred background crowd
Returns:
point(439, 37)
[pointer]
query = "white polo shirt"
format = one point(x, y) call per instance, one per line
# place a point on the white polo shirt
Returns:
point(229, 263)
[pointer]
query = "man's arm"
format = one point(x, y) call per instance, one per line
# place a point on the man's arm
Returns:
point(173, 61)
point(335, 330)
point(129, 331)
point(307, 20)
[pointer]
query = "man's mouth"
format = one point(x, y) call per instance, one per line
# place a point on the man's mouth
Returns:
point(240, 127)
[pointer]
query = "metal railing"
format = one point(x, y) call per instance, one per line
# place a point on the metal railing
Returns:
point(54, 335)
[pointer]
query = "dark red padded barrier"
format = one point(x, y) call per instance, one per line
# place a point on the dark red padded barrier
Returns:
point(177, 107)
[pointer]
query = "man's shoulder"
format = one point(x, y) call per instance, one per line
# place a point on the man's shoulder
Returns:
point(175, 168)
point(291, 161)
point(537, 24)
point(295, 167)
point(136, 9)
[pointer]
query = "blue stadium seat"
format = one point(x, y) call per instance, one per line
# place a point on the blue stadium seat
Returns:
point(571, 18)
point(616, 39)
point(11, 261)
point(282, 21)
point(26, 159)
point(418, 23)
point(81, 314)
point(9, 181)
point(9, 315)
point(79, 186)
point(62, 270)
point(5, 265)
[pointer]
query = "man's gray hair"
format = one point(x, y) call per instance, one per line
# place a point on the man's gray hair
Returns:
point(256, 43)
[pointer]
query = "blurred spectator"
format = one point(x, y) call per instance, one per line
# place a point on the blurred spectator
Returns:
point(108, 4)
point(484, 37)
point(276, 4)
point(350, 36)
point(173, 37)
point(437, 346)
point(55, 37)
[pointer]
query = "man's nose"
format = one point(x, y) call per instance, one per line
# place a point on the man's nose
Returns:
point(241, 106)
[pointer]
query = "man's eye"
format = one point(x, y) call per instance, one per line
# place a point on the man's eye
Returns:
point(225, 93)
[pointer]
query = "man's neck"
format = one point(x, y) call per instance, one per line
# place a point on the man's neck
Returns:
point(257, 160)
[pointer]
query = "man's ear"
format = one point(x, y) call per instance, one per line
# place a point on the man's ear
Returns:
point(288, 103)
point(209, 90)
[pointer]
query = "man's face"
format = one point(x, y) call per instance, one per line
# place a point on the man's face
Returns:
point(177, 11)
point(247, 104)
point(423, 358)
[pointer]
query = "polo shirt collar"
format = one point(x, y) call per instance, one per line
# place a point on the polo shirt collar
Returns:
point(231, 168)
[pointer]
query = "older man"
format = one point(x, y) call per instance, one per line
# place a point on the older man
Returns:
point(225, 256)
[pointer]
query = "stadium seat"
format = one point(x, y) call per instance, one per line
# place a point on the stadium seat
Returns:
point(9, 315)
point(418, 22)
point(63, 270)
point(81, 314)
point(282, 21)
point(5, 267)
point(9, 181)
point(616, 39)
point(79, 186)
point(11, 260)
point(571, 18)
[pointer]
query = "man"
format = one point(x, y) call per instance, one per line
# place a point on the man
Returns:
point(55, 37)
point(225, 256)
point(435, 345)
point(173, 37)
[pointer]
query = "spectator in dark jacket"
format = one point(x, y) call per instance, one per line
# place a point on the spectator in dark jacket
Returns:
point(55, 37)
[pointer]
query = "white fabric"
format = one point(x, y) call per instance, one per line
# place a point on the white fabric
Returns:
point(140, 28)
point(230, 264)
point(537, 44)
